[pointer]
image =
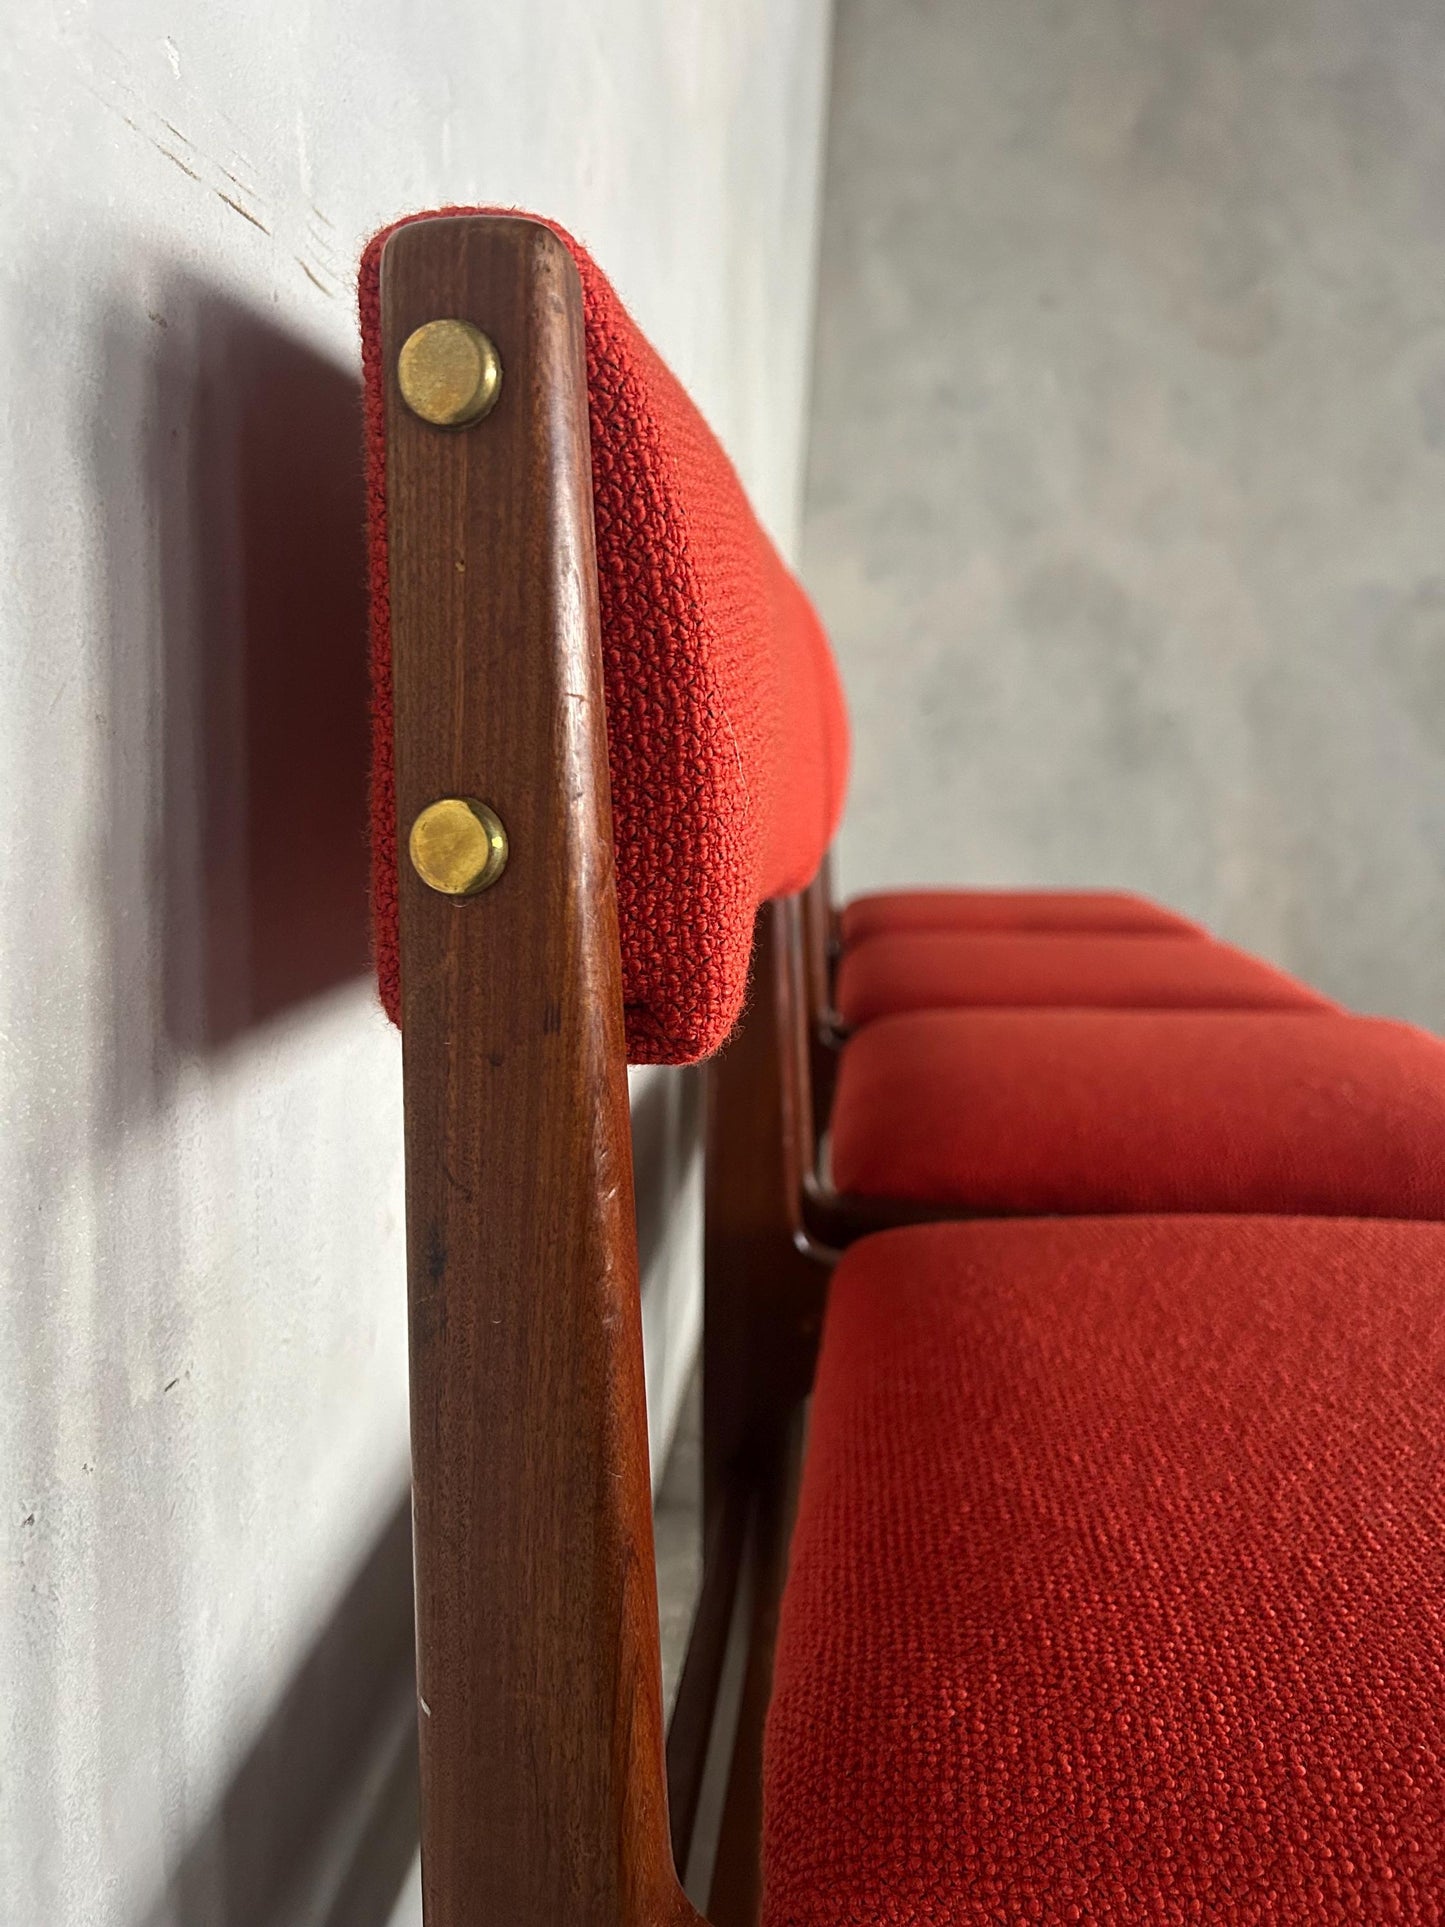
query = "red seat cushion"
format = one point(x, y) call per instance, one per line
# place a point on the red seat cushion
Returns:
point(944, 969)
point(1101, 910)
point(726, 729)
point(1117, 1589)
point(1032, 1112)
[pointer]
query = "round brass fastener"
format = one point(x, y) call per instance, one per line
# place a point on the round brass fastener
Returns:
point(450, 373)
point(458, 846)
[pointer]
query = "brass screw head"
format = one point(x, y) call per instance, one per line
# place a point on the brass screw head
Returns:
point(450, 373)
point(458, 846)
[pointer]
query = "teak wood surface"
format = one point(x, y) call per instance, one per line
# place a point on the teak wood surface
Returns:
point(764, 1282)
point(543, 1793)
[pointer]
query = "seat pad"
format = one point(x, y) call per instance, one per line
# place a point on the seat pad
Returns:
point(945, 970)
point(1117, 1588)
point(1117, 910)
point(1032, 1112)
point(727, 732)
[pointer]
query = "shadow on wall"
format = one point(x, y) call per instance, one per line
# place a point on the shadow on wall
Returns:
point(667, 1126)
point(257, 686)
point(667, 1105)
point(265, 618)
point(233, 861)
point(318, 1825)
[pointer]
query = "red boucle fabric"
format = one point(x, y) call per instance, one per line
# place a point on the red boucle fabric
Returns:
point(727, 733)
point(1040, 1111)
point(889, 911)
point(946, 970)
point(1117, 1590)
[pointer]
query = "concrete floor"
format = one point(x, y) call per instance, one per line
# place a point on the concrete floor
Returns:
point(1128, 461)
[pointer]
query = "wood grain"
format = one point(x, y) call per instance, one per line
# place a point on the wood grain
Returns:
point(819, 918)
point(543, 1795)
point(764, 1283)
point(819, 926)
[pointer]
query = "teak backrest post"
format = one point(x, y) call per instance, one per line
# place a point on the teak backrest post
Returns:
point(820, 943)
point(543, 1794)
point(820, 939)
point(765, 1285)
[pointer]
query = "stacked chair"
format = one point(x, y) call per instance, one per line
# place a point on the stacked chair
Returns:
point(1102, 1265)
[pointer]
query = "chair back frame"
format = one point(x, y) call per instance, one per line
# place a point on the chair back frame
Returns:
point(546, 1792)
point(540, 1716)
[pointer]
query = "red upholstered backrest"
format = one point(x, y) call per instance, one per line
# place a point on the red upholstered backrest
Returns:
point(727, 733)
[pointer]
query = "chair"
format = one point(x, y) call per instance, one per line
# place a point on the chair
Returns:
point(1116, 1582)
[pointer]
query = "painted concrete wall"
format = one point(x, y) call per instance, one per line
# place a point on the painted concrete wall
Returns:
point(202, 1399)
point(1127, 485)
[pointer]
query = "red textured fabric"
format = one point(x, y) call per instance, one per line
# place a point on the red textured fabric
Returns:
point(889, 911)
point(1117, 1590)
point(1041, 1111)
point(947, 970)
point(726, 728)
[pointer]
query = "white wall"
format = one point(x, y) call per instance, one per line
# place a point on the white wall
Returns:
point(201, 1322)
point(1128, 475)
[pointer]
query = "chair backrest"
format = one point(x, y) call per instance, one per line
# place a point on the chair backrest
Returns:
point(726, 728)
point(533, 685)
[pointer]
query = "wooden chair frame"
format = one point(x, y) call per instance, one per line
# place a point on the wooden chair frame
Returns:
point(548, 1792)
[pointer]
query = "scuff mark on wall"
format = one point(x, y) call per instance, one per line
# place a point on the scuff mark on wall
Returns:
point(215, 159)
point(315, 278)
point(244, 212)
